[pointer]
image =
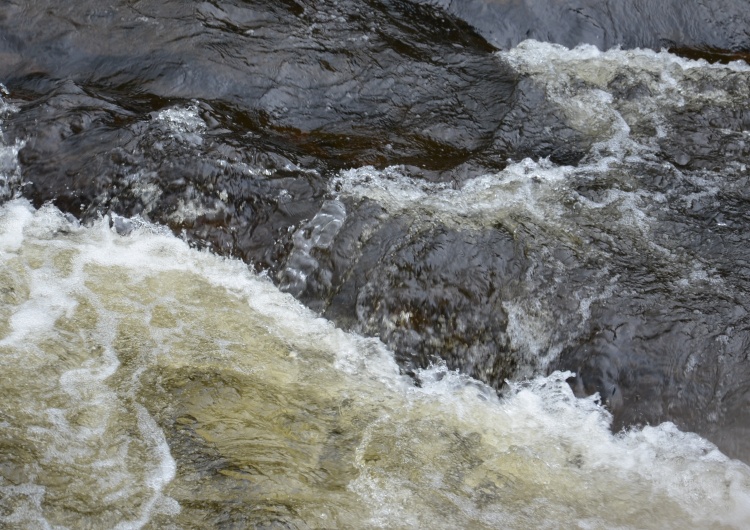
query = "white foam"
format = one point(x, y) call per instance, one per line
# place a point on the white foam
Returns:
point(683, 466)
point(553, 439)
point(182, 120)
point(189, 211)
point(14, 216)
point(27, 502)
point(71, 436)
point(159, 476)
point(484, 200)
point(545, 55)
point(578, 81)
point(10, 171)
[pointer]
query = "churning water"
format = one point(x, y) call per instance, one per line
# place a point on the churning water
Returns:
point(346, 265)
point(149, 384)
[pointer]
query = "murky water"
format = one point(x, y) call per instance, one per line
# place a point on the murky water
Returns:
point(507, 249)
point(149, 384)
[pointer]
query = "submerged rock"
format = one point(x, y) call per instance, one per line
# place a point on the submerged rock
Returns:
point(507, 213)
point(345, 84)
point(227, 122)
point(715, 31)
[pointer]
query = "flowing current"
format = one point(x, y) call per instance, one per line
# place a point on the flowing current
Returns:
point(406, 281)
point(147, 385)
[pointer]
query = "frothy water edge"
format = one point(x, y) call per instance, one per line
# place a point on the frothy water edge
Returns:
point(540, 423)
point(540, 420)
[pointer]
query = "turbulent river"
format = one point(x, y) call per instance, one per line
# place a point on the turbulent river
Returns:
point(375, 264)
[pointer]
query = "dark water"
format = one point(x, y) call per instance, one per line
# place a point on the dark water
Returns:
point(150, 385)
point(715, 30)
point(423, 176)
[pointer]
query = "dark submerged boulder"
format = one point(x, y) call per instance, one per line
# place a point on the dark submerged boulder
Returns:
point(716, 31)
point(229, 122)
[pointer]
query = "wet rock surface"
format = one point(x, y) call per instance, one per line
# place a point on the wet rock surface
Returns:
point(715, 31)
point(350, 83)
point(285, 95)
point(621, 255)
point(436, 293)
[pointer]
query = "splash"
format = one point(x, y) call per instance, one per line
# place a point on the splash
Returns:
point(152, 384)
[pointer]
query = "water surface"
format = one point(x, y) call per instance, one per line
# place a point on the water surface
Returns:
point(564, 227)
point(151, 385)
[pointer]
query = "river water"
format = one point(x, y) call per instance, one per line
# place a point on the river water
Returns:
point(368, 264)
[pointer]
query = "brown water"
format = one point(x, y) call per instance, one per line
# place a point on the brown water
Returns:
point(149, 385)
point(413, 172)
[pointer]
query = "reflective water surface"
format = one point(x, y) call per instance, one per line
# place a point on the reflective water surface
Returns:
point(716, 31)
point(148, 384)
point(456, 181)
